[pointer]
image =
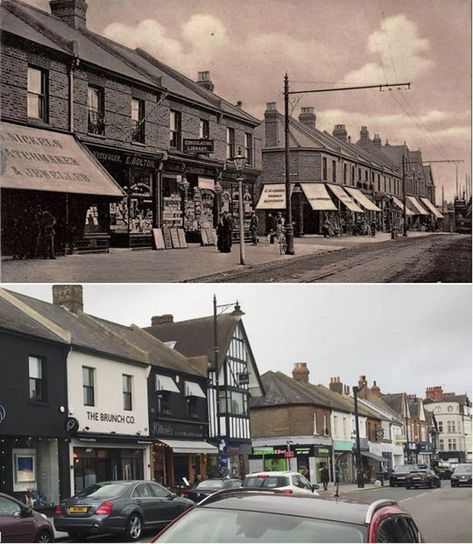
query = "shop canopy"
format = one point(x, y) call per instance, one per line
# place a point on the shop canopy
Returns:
point(166, 383)
point(190, 446)
point(318, 197)
point(431, 207)
point(362, 199)
point(273, 197)
point(400, 205)
point(43, 160)
point(345, 198)
point(418, 208)
point(193, 389)
point(373, 456)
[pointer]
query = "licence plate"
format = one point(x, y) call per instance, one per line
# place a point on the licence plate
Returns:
point(78, 509)
point(401, 478)
point(417, 478)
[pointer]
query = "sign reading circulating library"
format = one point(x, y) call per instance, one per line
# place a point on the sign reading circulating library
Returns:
point(43, 160)
point(201, 146)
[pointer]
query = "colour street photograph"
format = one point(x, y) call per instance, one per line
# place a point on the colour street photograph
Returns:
point(269, 141)
point(200, 388)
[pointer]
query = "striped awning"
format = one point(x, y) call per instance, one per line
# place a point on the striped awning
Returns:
point(345, 198)
point(362, 199)
point(418, 209)
point(429, 205)
point(317, 196)
point(400, 205)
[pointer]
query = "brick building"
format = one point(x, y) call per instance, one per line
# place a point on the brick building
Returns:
point(163, 143)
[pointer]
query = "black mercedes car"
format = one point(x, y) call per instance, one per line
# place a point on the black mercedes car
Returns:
point(399, 474)
point(425, 477)
point(461, 475)
point(124, 508)
point(206, 487)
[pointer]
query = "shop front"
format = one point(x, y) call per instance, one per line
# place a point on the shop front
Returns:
point(55, 194)
point(131, 219)
point(373, 213)
point(344, 460)
point(350, 217)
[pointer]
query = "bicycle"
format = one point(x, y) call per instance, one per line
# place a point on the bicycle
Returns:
point(282, 242)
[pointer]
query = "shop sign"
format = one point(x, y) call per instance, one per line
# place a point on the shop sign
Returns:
point(139, 162)
point(124, 159)
point(243, 378)
point(72, 425)
point(263, 451)
point(288, 454)
point(201, 146)
point(110, 418)
point(231, 449)
point(321, 451)
point(303, 450)
point(3, 413)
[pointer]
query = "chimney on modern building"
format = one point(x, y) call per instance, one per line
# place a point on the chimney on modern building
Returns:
point(271, 125)
point(376, 390)
point(362, 387)
point(69, 297)
point(377, 140)
point(434, 393)
point(71, 12)
point(340, 132)
point(204, 81)
point(300, 372)
point(307, 117)
point(162, 319)
point(336, 385)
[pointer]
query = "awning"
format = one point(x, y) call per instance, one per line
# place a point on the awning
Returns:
point(190, 446)
point(362, 199)
point(166, 383)
point(400, 205)
point(193, 389)
point(431, 207)
point(43, 160)
point(373, 456)
point(318, 197)
point(418, 208)
point(273, 197)
point(345, 198)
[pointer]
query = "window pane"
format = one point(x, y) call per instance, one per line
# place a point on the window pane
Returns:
point(34, 81)
point(87, 376)
point(93, 99)
point(36, 367)
point(36, 390)
point(34, 106)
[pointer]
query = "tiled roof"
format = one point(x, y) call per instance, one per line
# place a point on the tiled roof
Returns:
point(394, 400)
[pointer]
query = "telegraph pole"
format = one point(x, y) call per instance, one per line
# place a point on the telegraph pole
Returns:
point(288, 226)
point(404, 221)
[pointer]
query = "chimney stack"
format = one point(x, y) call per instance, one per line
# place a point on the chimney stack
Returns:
point(69, 297)
point(377, 140)
point(340, 132)
point(300, 372)
point(336, 385)
point(376, 390)
point(271, 125)
point(204, 81)
point(362, 387)
point(71, 12)
point(434, 393)
point(162, 319)
point(364, 134)
point(307, 117)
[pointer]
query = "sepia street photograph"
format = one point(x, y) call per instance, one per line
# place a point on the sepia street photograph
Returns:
point(202, 141)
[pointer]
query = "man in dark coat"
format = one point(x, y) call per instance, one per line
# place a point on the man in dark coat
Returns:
point(254, 228)
point(224, 233)
point(324, 476)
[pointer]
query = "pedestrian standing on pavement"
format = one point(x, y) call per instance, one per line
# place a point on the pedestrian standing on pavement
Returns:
point(324, 476)
point(373, 228)
point(224, 233)
point(48, 222)
point(326, 228)
point(254, 228)
point(271, 226)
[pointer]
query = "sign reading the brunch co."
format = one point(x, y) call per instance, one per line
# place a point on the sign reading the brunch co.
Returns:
point(42, 160)
point(110, 418)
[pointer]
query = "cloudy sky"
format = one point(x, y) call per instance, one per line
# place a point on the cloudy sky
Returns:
point(406, 337)
point(248, 45)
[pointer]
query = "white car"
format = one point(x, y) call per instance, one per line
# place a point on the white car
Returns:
point(286, 481)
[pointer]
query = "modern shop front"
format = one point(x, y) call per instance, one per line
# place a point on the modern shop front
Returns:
point(54, 192)
point(344, 460)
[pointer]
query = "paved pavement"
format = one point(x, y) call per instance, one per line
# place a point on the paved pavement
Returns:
point(179, 265)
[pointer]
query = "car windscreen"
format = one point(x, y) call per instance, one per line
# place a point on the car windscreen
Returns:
point(210, 484)
point(102, 491)
point(266, 481)
point(225, 525)
point(462, 469)
point(404, 468)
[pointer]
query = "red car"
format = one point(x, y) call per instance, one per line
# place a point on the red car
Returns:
point(19, 523)
point(249, 515)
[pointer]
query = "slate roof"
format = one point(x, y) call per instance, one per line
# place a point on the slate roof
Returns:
point(394, 400)
point(463, 400)
point(105, 53)
point(383, 405)
point(13, 319)
point(195, 337)
point(369, 146)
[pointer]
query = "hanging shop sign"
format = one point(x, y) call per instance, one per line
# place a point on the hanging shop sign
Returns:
point(288, 454)
point(243, 378)
point(3, 413)
point(200, 146)
point(72, 425)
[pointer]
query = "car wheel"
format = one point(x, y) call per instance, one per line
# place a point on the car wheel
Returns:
point(439, 484)
point(134, 527)
point(431, 484)
point(44, 536)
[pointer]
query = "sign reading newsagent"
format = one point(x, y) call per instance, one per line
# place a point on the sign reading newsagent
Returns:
point(43, 160)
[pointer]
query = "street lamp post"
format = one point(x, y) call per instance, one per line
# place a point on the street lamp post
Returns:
point(359, 476)
point(239, 161)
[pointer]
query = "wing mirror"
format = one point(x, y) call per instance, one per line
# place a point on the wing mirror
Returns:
point(26, 512)
point(315, 486)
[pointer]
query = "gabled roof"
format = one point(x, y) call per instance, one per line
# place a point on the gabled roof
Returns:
point(414, 407)
point(396, 152)
point(378, 151)
point(463, 400)
point(395, 401)
point(381, 403)
point(384, 412)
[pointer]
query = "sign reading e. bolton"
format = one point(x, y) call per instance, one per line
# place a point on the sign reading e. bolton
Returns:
point(201, 146)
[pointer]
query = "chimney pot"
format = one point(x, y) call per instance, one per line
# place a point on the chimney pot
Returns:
point(307, 117)
point(300, 372)
point(336, 385)
point(162, 319)
point(71, 12)
point(69, 297)
point(203, 79)
point(340, 132)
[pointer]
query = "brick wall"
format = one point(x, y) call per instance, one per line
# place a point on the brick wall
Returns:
point(287, 420)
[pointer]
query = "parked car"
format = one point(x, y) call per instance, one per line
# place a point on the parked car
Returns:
point(206, 487)
point(287, 481)
point(120, 507)
point(249, 515)
point(461, 475)
point(399, 474)
point(444, 470)
point(19, 523)
point(422, 477)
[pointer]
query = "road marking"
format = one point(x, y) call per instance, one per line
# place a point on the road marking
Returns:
point(405, 500)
